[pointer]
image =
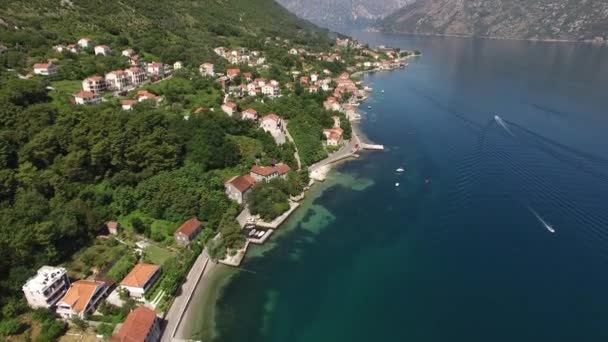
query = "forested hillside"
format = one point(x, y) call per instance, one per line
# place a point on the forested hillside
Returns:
point(168, 30)
point(67, 169)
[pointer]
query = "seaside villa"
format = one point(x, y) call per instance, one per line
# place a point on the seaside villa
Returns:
point(45, 288)
point(188, 231)
point(141, 325)
point(82, 298)
point(266, 173)
point(238, 187)
point(140, 279)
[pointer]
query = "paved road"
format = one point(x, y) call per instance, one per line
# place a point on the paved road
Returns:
point(348, 150)
point(296, 154)
point(180, 303)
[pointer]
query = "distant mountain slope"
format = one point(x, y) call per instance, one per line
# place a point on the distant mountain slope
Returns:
point(526, 19)
point(339, 13)
point(170, 30)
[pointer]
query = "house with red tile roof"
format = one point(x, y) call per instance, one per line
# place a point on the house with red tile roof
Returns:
point(45, 69)
point(188, 231)
point(272, 123)
point(81, 298)
point(143, 95)
point(141, 325)
point(333, 136)
point(136, 75)
point(155, 69)
point(112, 227)
point(128, 104)
point(229, 108)
point(206, 69)
point(94, 84)
point(238, 187)
point(86, 97)
point(249, 114)
point(266, 173)
point(232, 73)
point(117, 80)
point(140, 279)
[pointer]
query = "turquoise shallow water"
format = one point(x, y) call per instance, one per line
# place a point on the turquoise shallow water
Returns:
point(454, 253)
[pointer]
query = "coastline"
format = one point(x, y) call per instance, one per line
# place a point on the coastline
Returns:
point(454, 35)
point(198, 320)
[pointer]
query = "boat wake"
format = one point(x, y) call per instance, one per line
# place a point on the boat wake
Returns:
point(541, 220)
point(499, 120)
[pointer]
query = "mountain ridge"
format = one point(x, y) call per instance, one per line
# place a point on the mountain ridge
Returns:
point(510, 19)
point(340, 13)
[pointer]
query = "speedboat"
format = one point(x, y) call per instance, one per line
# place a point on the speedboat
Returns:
point(369, 107)
point(400, 169)
point(396, 184)
point(382, 90)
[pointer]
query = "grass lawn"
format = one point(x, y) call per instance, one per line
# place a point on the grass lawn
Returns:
point(63, 90)
point(157, 255)
point(102, 254)
point(67, 87)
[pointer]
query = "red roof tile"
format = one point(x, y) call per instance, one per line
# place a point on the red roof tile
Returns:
point(138, 324)
point(242, 183)
point(139, 275)
point(189, 227)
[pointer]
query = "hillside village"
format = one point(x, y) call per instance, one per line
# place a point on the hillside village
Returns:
point(135, 283)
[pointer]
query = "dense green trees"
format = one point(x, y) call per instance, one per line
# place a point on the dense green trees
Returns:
point(269, 199)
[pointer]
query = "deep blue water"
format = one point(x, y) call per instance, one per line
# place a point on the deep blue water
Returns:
point(454, 253)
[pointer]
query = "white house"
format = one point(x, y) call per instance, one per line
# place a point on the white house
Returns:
point(117, 80)
point(84, 42)
point(272, 123)
point(144, 95)
point(86, 97)
point(102, 50)
point(333, 136)
point(314, 77)
point(45, 69)
point(73, 48)
point(336, 120)
point(128, 104)
point(136, 75)
point(128, 52)
point(206, 69)
point(271, 90)
point(94, 84)
point(238, 187)
point(249, 114)
point(178, 65)
point(293, 51)
point(81, 298)
point(140, 279)
point(59, 48)
point(156, 69)
point(229, 108)
point(45, 288)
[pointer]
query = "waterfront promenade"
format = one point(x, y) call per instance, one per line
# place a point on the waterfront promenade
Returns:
point(176, 313)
